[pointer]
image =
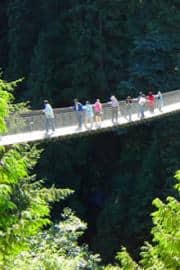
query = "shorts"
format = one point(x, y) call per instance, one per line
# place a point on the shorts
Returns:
point(98, 113)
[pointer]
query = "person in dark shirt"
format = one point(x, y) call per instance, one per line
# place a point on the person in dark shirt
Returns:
point(78, 108)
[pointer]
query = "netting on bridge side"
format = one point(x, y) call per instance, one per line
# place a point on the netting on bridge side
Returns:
point(35, 120)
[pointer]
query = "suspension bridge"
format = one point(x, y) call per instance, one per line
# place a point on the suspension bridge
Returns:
point(30, 126)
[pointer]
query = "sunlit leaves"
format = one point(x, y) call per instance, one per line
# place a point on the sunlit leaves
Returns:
point(164, 252)
point(57, 248)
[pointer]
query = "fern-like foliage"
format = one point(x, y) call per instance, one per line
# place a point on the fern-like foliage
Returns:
point(57, 248)
point(24, 202)
point(164, 251)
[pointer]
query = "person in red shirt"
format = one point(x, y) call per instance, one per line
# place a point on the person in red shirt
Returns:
point(151, 102)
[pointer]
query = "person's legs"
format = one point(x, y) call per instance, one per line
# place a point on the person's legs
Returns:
point(79, 120)
point(139, 111)
point(151, 107)
point(47, 124)
point(113, 114)
point(142, 111)
point(100, 119)
point(129, 114)
point(116, 114)
point(96, 119)
point(86, 121)
point(160, 105)
point(52, 121)
point(91, 122)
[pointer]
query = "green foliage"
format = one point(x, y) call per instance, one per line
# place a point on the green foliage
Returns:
point(6, 97)
point(164, 252)
point(25, 206)
point(24, 202)
point(177, 186)
point(57, 248)
point(25, 211)
point(86, 48)
point(15, 122)
point(3, 35)
point(92, 46)
point(121, 187)
point(21, 36)
point(125, 260)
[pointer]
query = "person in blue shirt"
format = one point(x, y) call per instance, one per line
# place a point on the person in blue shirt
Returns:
point(78, 108)
point(89, 115)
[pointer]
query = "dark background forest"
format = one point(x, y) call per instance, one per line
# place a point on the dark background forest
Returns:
point(89, 49)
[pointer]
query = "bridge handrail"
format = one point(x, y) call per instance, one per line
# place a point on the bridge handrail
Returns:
point(34, 120)
point(70, 108)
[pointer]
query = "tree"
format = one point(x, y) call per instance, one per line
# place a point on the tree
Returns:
point(57, 248)
point(25, 206)
point(3, 35)
point(163, 253)
point(5, 100)
point(96, 48)
point(154, 48)
point(22, 37)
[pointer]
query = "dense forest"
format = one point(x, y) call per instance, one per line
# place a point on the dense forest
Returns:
point(89, 49)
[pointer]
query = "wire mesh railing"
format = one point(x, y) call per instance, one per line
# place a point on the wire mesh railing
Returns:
point(35, 120)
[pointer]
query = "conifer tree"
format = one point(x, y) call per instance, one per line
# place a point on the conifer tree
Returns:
point(163, 252)
point(25, 204)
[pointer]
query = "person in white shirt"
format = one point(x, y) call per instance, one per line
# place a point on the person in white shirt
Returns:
point(115, 107)
point(49, 117)
point(142, 102)
point(160, 102)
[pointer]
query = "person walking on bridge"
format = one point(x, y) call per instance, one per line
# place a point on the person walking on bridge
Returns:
point(139, 107)
point(142, 102)
point(151, 102)
point(89, 115)
point(49, 117)
point(160, 102)
point(98, 113)
point(115, 107)
point(129, 108)
point(78, 108)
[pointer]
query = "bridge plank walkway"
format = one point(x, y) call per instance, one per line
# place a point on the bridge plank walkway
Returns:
point(62, 132)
